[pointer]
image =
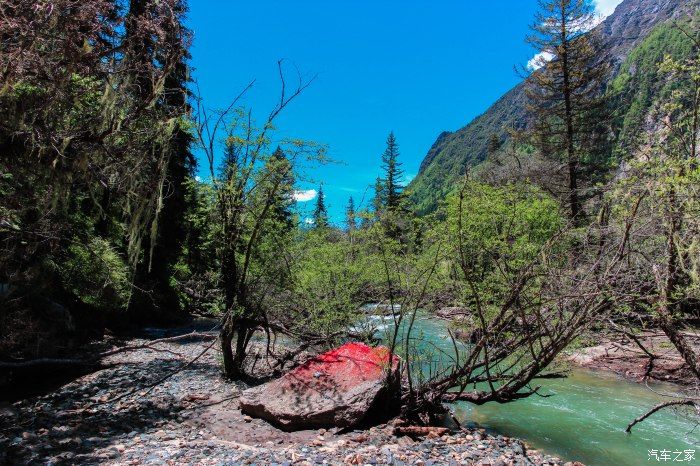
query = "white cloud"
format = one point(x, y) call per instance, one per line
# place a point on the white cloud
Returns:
point(198, 179)
point(309, 221)
point(305, 196)
point(606, 7)
point(407, 178)
point(539, 60)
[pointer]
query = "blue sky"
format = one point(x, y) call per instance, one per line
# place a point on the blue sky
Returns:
point(414, 67)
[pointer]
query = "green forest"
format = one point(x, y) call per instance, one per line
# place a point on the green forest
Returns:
point(568, 223)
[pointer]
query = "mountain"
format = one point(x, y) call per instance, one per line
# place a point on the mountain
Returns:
point(622, 35)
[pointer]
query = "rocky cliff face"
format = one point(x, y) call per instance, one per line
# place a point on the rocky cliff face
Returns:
point(633, 20)
point(454, 152)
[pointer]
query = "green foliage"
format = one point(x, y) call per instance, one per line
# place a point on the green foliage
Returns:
point(96, 275)
point(665, 193)
point(663, 185)
point(95, 153)
point(495, 232)
point(390, 204)
point(196, 275)
point(491, 233)
point(640, 84)
point(511, 221)
point(328, 280)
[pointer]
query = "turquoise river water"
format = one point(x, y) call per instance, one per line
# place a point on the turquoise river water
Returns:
point(585, 417)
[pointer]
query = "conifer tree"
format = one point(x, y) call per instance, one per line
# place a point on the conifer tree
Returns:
point(393, 174)
point(282, 205)
point(564, 93)
point(351, 216)
point(161, 250)
point(172, 229)
point(320, 216)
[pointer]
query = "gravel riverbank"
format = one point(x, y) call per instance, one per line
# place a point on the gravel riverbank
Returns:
point(193, 418)
point(621, 355)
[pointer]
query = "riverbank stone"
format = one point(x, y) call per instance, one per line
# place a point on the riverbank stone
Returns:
point(344, 387)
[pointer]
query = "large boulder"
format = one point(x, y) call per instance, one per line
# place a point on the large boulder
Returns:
point(340, 388)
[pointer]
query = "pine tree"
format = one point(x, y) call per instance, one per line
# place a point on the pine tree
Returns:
point(393, 174)
point(320, 216)
point(164, 245)
point(565, 93)
point(351, 216)
point(282, 206)
point(172, 231)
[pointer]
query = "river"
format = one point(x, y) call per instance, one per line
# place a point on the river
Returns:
point(585, 417)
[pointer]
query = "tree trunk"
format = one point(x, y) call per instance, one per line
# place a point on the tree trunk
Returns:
point(234, 360)
point(571, 158)
point(234, 326)
point(238, 371)
point(228, 329)
point(680, 342)
point(226, 350)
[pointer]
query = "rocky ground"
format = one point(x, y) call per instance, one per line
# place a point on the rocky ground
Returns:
point(193, 418)
point(621, 355)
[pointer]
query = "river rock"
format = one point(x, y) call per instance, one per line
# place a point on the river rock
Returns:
point(472, 336)
point(340, 388)
point(454, 313)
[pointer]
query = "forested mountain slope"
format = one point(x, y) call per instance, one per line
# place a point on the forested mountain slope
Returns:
point(634, 39)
